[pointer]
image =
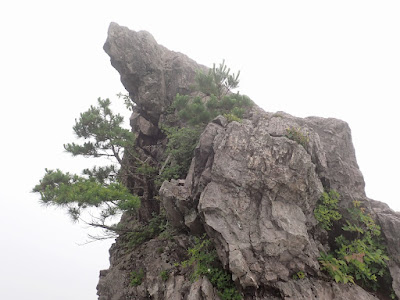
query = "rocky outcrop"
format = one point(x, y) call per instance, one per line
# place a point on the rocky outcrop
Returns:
point(258, 204)
point(254, 190)
point(151, 73)
point(250, 187)
point(161, 279)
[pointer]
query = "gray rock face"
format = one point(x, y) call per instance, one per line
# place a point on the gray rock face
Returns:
point(390, 223)
point(175, 197)
point(306, 289)
point(262, 191)
point(255, 191)
point(152, 258)
point(252, 189)
point(152, 74)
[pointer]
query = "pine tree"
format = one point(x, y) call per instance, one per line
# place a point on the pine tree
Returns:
point(99, 187)
point(218, 81)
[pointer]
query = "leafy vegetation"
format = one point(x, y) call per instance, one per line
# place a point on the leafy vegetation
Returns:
point(200, 111)
point(137, 277)
point(218, 81)
point(360, 254)
point(156, 225)
point(327, 209)
point(203, 261)
point(213, 98)
point(164, 275)
point(232, 118)
point(299, 275)
point(179, 151)
point(295, 134)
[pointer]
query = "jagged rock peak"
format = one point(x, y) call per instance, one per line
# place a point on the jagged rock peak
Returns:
point(151, 73)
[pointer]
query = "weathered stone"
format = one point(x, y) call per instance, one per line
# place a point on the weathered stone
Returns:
point(342, 172)
point(307, 289)
point(152, 74)
point(152, 258)
point(193, 222)
point(202, 289)
point(175, 201)
point(143, 125)
point(257, 191)
point(390, 225)
point(259, 203)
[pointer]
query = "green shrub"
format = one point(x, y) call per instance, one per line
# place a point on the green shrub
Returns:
point(336, 268)
point(217, 85)
point(360, 254)
point(218, 81)
point(196, 112)
point(327, 209)
point(164, 275)
point(203, 260)
point(193, 113)
point(157, 224)
point(362, 248)
point(299, 275)
point(232, 117)
point(179, 151)
point(295, 134)
point(137, 277)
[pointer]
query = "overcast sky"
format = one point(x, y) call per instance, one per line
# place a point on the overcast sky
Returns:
point(308, 58)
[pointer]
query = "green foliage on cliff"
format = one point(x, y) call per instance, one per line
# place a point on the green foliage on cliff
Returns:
point(360, 254)
point(204, 262)
point(179, 151)
point(327, 209)
point(362, 248)
point(218, 81)
point(99, 187)
point(164, 275)
point(213, 98)
point(200, 111)
point(137, 277)
point(299, 275)
point(298, 136)
point(156, 225)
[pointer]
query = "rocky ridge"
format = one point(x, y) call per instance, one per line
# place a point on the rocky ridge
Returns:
point(249, 187)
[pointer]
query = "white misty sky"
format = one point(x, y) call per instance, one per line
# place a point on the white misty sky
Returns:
point(322, 58)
